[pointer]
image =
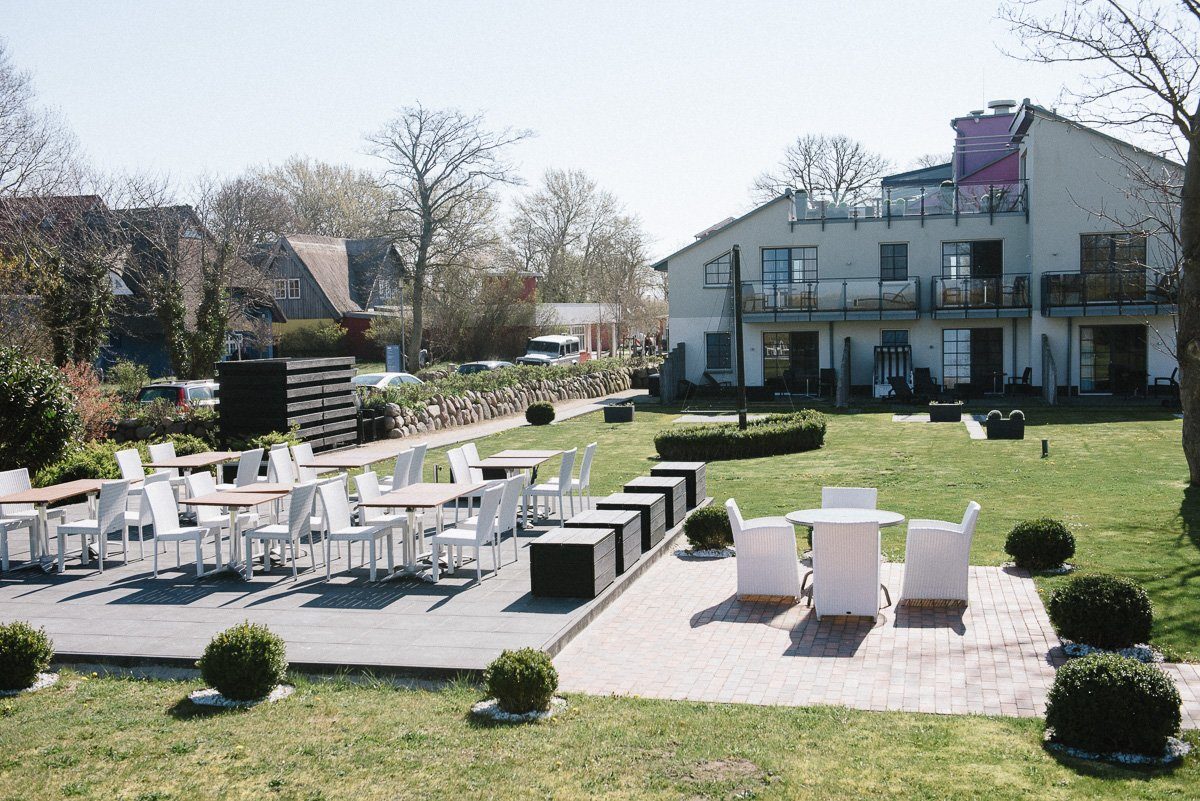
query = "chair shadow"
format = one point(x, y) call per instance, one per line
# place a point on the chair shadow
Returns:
point(837, 637)
point(931, 617)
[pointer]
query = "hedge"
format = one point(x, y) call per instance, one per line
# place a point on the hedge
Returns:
point(778, 433)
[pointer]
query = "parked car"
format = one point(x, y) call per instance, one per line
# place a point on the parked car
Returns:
point(197, 394)
point(384, 380)
point(482, 367)
point(551, 350)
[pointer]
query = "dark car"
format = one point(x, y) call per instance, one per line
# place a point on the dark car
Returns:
point(481, 367)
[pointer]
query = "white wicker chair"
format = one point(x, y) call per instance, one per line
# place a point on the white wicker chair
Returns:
point(937, 558)
point(165, 451)
point(849, 497)
point(17, 516)
point(767, 563)
point(846, 573)
point(109, 519)
point(401, 472)
point(416, 467)
point(560, 489)
point(582, 487)
point(165, 514)
point(478, 537)
point(249, 464)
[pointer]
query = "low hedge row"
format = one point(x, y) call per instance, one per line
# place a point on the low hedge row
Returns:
point(99, 460)
point(777, 433)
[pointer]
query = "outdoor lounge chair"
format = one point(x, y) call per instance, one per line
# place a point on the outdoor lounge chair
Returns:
point(1170, 383)
point(924, 385)
point(936, 558)
point(766, 548)
point(1022, 384)
point(901, 391)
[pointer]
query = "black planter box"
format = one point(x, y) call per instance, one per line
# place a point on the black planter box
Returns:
point(625, 524)
point(572, 562)
point(672, 488)
point(651, 507)
point(945, 412)
point(693, 474)
point(1005, 429)
point(618, 414)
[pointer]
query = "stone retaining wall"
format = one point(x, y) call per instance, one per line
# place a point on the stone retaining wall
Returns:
point(133, 430)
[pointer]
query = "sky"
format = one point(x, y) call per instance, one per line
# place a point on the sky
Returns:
point(674, 107)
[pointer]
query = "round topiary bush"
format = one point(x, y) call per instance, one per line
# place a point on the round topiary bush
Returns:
point(522, 681)
point(24, 653)
point(1105, 703)
point(708, 529)
point(774, 434)
point(1040, 544)
point(36, 406)
point(1102, 611)
point(540, 414)
point(995, 414)
point(1016, 414)
point(244, 663)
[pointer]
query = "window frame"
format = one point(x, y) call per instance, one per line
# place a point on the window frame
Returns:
point(1113, 246)
point(884, 267)
point(907, 337)
point(709, 350)
point(293, 288)
point(727, 256)
point(281, 288)
point(801, 265)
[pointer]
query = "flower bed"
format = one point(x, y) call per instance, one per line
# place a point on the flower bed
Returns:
point(777, 433)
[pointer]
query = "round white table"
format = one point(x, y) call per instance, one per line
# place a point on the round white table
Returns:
point(808, 517)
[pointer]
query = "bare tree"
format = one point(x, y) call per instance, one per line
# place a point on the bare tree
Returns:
point(37, 150)
point(931, 160)
point(328, 199)
point(1143, 61)
point(836, 168)
point(441, 167)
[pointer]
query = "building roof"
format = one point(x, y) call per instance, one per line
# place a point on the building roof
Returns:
point(328, 262)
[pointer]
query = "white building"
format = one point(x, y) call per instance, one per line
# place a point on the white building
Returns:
point(1013, 260)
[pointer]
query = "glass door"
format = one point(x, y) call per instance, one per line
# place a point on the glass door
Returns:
point(974, 357)
point(1112, 358)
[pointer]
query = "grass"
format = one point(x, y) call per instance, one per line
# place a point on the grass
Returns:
point(106, 738)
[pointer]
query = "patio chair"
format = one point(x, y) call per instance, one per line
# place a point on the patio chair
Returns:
point(416, 466)
point(17, 516)
point(280, 467)
point(766, 555)
point(304, 453)
point(560, 489)
point(138, 520)
point(214, 518)
point(288, 534)
point(129, 462)
point(484, 533)
point(337, 513)
point(461, 474)
point(827, 382)
point(506, 516)
point(109, 519)
point(901, 391)
point(924, 385)
point(1170, 383)
point(846, 572)
point(936, 558)
point(1022, 384)
point(249, 463)
point(849, 498)
point(401, 472)
point(164, 511)
point(368, 489)
point(584, 483)
point(472, 453)
point(163, 451)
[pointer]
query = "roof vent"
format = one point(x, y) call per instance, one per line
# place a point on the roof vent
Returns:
point(1002, 106)
point(976, 113)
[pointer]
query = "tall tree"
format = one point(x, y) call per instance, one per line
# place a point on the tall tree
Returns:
point(328, 199)
point(37, 149)
point(1142, 61)
point(836, 168)
point(441, 166)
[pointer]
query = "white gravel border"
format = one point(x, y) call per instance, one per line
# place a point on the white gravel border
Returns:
point(1061, 570)
point(210, 697)
point(1141, 652)
point(718, 553)
point(1176, 750)
point(491, 710)
point(44, 680)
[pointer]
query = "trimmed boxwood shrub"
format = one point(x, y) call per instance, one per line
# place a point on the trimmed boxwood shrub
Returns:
point(1107, 703)
point(540, 414)
point(1102, 611)
point(38, 413)
point(522, 681)
point(245, 662)
point(777, 433)
point(24, 653)
point(1040, 544)
point(708, 529)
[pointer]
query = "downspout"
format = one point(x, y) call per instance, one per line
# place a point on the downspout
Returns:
point(1070, 344)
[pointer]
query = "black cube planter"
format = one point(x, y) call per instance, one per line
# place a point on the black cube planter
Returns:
point(945, 412)
point(999, 427)
point(618, 414)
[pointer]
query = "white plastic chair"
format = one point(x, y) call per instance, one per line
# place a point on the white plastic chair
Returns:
point(937, 558)
point(289, 534)
point(17, 516)
point(560, 489)
point(109, 519)
point(849, 497)
point(767, 562)
point(249, 464)
point(163, 451)
point(280, 468)
point(165, 513)
point(846, 572)
point(583, 484)
point(337, 513)
point(506, 516)
point(400, 472)
point(482, 534)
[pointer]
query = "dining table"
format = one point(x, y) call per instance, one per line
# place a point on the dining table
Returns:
point(422, 495)
point(349, 459)
point(504, 464)
point(236, 500)
point(41, 498)
point(194, 461)
point(842, 514)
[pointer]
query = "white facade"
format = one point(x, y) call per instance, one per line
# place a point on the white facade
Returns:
point(1069, 173)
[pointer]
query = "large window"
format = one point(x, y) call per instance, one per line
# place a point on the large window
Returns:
point(789, 265)
point(1101, 253)
point(892, 337)
point(973, 356)
point(718, 351)
point(293, 288)
point(893, 261)
point(978, 259)
point(716, 272)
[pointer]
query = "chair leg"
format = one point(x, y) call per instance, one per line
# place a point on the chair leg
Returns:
point(295, 571)
point(62, 566)
point(391, 554)
point(220, 561)
point(4, 550)
point(371, 546)
point(155, 559)
point(125, 543)
point(199, 555)
point(103, 543)
point(437, 554)
point(478, 563)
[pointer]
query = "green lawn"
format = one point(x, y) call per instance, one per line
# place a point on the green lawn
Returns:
point(125, 739)
point(1116, 476)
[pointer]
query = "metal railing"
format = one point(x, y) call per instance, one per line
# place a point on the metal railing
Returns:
point(893, 202)
point(1110, 288)
point(862, 297)
point(995, 293)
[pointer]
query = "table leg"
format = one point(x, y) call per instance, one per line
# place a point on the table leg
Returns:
point(410, 542)
point(43, 537)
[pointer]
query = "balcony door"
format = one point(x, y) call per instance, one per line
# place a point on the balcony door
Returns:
point(971, 273)
point(1112, 358)
point(792, 356)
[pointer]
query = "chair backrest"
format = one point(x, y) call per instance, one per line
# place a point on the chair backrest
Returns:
point(970, 518)
point(1027, 375)
point(164, 511)
point(416, 467)
point(510, 503)
point(14, 481)
point(199, 483)
point(130, 462)
point(279, 466)
point(337, 507)
point(472, 455)
point(736, 521)
point(564, 469)
point(585, 469)
point(849, 497)
point(162, 451)
point(402, 469)
point(143, 505)
point(301, 506)
point(488, 506)
point(922, 378)
point(900, 387)
point(458, 466)
point(248, 466)
point(368, 490)
point(845, 558)
point(110, 512)
point(303, 453)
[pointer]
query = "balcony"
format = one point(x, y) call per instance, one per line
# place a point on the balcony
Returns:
point(1005, 295)
point(836, 299)
point(917, 202)
point(1115, 292)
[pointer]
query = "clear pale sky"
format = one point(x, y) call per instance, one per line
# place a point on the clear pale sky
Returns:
point(673, 106)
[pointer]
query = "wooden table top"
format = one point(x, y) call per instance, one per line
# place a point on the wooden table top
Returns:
point(235, 499)
point(55, 492)
point(264, 486)
point(194, 460)
point(422, 496)
point(509, 462)
point(520, 454)
point(347, 459)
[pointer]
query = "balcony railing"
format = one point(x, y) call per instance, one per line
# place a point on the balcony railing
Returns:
point(1114, 288)
point(894, 202)
point(973, 297)
point(850, 298)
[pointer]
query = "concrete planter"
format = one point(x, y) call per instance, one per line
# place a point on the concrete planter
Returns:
point(618, 414)
point(945, 412)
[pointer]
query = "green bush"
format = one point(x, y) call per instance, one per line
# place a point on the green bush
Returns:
point(24, 653)
point(540, 414)
point(327, 339)
point(1107, 703)
point(1102, 611)
point(708, 529)
point(38, 413)
point(244, 663)
point(522, 681)
point(128, 377)
point(99, 459)
point(778, 433)
point(1040, 544)
point(265, 441)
